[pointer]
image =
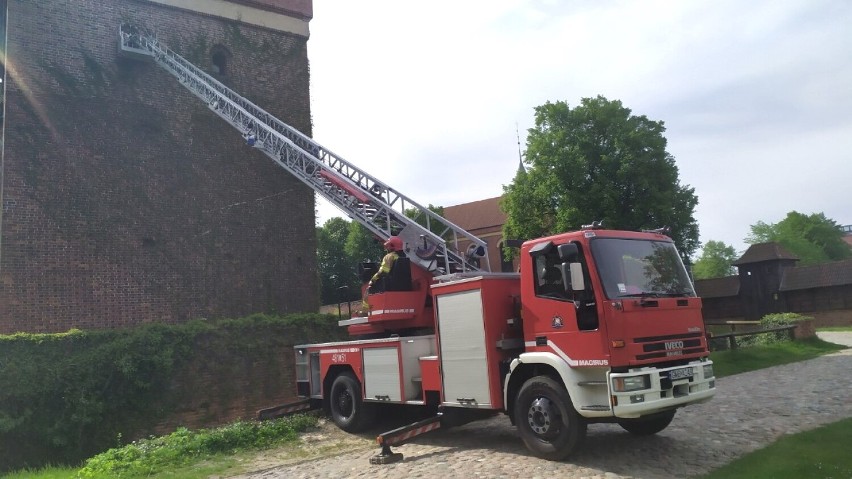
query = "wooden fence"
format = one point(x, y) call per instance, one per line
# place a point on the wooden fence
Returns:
point(733, 335)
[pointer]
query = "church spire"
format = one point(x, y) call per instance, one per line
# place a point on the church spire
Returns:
point(521, 168)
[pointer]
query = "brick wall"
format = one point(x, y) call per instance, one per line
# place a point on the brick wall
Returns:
point(828, 319)
point(226, 381)
point(125, 200)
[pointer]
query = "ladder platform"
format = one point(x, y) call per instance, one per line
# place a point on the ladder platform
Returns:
point(134, 53)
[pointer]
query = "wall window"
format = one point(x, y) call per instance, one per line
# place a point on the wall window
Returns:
point(219, 59)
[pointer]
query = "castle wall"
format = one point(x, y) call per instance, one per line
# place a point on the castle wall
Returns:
point(124, 198)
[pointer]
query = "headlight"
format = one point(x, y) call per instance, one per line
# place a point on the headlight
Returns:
point(631, 383)
point(708, 370)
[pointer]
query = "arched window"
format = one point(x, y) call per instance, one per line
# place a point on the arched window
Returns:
point(219, 58)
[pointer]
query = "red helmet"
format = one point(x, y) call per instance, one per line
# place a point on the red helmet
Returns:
point(394, 243)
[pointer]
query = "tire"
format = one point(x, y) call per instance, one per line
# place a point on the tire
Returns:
point(647, 426)
point(348, 409)
point(546, 419)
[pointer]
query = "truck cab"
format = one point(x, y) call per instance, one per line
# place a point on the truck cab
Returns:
point(613, 319)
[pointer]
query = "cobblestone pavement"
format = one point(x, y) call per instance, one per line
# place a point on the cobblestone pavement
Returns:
point(749, 411)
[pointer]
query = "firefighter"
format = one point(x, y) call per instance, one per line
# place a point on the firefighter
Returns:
point(394, 248)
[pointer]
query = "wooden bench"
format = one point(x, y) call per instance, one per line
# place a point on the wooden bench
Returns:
point(733, 335)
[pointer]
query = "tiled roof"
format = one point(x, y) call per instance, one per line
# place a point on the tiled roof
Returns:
point(718, 287)
point(838, 273)
point(476, 214)
point(760, 252)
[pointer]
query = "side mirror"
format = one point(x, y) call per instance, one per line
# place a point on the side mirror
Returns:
point(572, 274)
point(568, 252)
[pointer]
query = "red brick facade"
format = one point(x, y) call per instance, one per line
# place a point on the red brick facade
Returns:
point(298, 8)
point(124, 198)
point(484, 219)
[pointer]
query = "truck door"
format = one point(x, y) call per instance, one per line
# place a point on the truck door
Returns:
point(558, 312)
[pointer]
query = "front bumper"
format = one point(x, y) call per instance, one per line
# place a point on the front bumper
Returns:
point(662, 392)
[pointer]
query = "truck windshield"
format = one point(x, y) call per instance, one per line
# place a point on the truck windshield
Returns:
point(641, 268)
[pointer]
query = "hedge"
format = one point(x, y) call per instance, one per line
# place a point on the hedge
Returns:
point(65, 397)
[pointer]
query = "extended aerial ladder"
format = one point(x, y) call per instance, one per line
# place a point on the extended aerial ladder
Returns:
point(378, 207)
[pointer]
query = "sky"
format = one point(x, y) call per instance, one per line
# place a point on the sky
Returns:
point(432, 97)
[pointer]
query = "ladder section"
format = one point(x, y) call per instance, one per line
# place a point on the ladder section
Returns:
point(439, 245)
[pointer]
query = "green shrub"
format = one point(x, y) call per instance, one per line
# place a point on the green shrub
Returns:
point(149, 456)
point(772, 321)
point(65, 397)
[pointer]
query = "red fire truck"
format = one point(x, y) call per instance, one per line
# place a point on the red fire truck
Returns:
point(597, 326)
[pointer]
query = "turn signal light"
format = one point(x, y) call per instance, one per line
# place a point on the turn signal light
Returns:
point(617, 343)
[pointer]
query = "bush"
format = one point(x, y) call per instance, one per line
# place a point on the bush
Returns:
point(772, 321)
point(183, 447)
point(65, 397)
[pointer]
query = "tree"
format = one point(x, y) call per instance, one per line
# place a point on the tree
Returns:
point(598, 162)
point(716, 261)
point(362, 245)
point(335, 266)
point(434, 227)
point(341, 246)
point(813, 238)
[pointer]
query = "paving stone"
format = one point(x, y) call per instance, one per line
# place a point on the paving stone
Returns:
point(749, 411)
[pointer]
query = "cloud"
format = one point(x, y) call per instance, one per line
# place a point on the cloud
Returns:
point(754, 95)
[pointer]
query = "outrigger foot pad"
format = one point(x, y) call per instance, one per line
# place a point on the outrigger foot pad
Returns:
point(401, 435)
point(386, 457)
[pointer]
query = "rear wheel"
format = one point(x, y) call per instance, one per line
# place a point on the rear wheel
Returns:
point(546, 419)
point(348, 409)
point(646, 426)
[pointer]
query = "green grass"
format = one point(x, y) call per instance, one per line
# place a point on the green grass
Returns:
point(726, 363)
point(46, 473)
point(837, 329)
point(197, 455)
point(820, 453)
point(218, 465)
point(183, 454)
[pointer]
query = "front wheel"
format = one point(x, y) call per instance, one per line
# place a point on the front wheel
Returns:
point(348, 409)
point(647, 426)
point(546, 419)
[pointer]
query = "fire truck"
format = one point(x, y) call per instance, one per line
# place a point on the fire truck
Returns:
point(596, 326)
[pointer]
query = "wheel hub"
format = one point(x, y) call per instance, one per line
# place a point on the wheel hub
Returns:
point(344, 404)
point(542, 416)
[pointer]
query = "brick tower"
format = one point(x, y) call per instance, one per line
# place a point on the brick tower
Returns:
point(124, 198)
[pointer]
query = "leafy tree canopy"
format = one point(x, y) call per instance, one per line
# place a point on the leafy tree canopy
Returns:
point(362, 245)
point(422, 220)
point(716, 261)
point(597, 161)
point(334, 265)
point(341, 246)
point(813, 238)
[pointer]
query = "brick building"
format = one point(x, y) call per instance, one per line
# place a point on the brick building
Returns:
point(484, 219)
point(124, 198)
point(847, 234)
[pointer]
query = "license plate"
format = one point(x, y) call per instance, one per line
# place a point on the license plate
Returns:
point(683, 373)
